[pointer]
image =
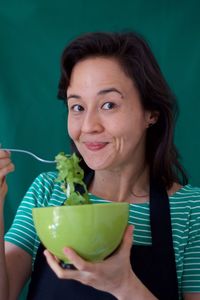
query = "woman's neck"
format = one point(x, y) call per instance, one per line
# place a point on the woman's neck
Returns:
point(130, 184)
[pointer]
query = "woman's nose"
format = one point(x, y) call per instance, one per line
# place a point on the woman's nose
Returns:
point(92, 123)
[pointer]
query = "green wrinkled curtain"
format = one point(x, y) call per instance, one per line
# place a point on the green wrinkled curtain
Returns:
point(33, 34)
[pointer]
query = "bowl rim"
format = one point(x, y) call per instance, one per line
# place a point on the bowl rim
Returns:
point(81, 205)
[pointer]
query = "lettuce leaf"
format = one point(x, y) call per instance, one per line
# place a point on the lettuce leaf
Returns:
point(69, 174)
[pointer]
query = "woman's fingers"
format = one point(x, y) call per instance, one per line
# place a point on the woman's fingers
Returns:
point(71, 255)
point(4, 162)
point(59, 271)
point(126, 244)
point(3, 172)
point(6, 166)
point(128, 237)
point(77, 261)
point(3, 190)
point(53, 263)
point(4, 154)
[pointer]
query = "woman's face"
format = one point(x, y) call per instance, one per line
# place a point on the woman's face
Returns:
point(106, 120)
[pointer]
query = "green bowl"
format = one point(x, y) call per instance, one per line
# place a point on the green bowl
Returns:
point(93, 230)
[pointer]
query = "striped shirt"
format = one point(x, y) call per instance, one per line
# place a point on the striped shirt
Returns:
point(185, 219)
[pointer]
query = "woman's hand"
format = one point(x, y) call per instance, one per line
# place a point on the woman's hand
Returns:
point(113, 275)
point(6, 166)
point(110, 275)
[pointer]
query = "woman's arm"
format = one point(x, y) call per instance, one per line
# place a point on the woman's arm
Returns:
point(4, 276)
point(15, 266)
point(15, 263)
point(18, 267)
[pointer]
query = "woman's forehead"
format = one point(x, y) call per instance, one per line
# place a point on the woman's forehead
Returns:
point(99, 72)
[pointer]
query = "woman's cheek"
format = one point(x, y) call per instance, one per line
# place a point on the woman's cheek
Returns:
point(72, 130)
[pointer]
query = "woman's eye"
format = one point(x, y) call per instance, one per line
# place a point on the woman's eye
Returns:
point(76, 108)
point(108, 105)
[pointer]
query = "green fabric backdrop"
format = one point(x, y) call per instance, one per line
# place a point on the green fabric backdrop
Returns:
point(33, 34)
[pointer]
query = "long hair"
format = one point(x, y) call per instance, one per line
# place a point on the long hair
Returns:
point(138, 62)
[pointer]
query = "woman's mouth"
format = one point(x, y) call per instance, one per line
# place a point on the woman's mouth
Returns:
point(95, 146)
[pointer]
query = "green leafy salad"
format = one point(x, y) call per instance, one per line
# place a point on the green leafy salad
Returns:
point(70, 174)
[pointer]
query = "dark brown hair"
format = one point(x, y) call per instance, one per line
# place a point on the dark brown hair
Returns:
point(139, 63)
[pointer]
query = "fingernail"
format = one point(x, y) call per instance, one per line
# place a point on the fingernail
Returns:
point(67, 251)
point(131, 228)
point(8, 152)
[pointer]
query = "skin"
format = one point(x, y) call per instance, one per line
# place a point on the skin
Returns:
point(116, 153)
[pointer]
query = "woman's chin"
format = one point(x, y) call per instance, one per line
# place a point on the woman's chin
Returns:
point(96, 167)
point(97, 164)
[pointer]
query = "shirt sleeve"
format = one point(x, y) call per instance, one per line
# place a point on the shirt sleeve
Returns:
point(191, 266)
point(22, 232)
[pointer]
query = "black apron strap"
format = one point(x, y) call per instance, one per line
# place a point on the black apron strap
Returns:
point(162, 241)
point(155, 265)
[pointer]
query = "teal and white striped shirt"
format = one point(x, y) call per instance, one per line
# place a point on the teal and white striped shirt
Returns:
point(185, 218)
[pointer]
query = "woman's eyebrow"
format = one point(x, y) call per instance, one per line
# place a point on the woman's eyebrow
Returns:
point(101, 92)
point(109, 90)
point(73, 96)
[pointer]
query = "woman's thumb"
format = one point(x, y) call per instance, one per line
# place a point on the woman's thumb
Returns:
point(128, 238)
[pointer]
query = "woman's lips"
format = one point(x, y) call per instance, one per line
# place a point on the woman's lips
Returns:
point(95, 146)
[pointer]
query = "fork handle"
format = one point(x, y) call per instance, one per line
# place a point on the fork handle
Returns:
point(29, 153)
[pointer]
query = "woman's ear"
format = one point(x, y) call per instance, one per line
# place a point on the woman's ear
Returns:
point(152, 117)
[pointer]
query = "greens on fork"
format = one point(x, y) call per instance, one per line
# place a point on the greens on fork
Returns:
point(71, 174)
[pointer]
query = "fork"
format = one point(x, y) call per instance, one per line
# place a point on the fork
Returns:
point(29, 153)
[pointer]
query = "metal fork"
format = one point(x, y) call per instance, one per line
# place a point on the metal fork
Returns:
point(29, 153)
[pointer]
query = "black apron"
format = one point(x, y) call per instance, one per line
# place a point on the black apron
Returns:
point(154, 265)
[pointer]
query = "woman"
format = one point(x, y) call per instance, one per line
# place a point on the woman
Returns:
point(120, 119)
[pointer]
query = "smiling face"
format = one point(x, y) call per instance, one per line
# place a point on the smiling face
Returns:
point(106, 120)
